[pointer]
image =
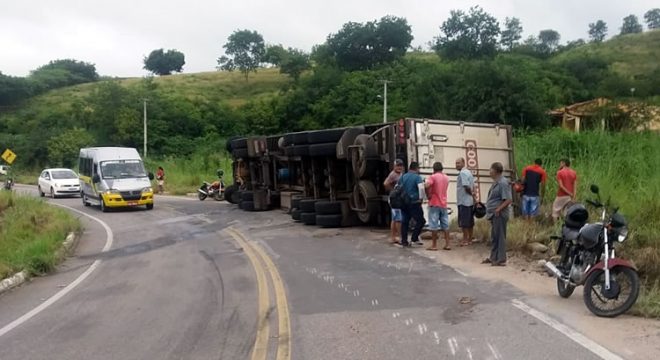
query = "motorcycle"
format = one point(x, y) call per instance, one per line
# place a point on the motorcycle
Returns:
point(611, 285)
point(215, 190)
point(9, 183)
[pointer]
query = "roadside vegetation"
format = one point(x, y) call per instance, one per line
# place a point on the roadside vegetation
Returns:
point(31, 234)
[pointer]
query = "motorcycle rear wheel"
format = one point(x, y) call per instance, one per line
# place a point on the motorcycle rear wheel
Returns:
point(627, 281)
point(565, 290)
point(218, 196)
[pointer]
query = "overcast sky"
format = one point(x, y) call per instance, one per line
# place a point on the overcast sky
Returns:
point(116, 34)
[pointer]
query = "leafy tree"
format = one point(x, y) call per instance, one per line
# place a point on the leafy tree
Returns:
point(13, 89)
point(161, 62)
point(548, 41)
point(598, 31)
point(61, 73)
point(245, 51)
point(652, 18)
point(295, 62)
point(631, 25)
point(358, 46)
point(512, 33)
point(470, 35)
point(275, 54)
point(63, 149)
point(291, 61)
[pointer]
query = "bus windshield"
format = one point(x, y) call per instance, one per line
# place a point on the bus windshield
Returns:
point(122, 169)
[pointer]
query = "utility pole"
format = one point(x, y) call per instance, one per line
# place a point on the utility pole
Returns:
point(385, 82)
point(144, 102)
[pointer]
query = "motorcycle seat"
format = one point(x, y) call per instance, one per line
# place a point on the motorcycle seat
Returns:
point(569, 233)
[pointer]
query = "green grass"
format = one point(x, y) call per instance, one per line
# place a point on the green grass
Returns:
point(184, 175)
point(206, 87)
point(626, 167)
point(629, 55)
point(31, 234)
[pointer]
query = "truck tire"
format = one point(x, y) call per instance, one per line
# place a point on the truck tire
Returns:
point(239, 144)
point(363, 161)
point(325, 207)
point(329, 221)
point(247, 205)
point(324, 136)
point(229, 193)
point(240, 153)
point(295, 203)
point(326, 149)
point(228, 143)
point(346, 140)
point(275, 199)
point(300, 138)
point(247, 196)
point(363, 193)
point(301, 150)
point(308, 218)
point(235, 197)
point(295, 214)
point(307, 205)
point(272, 143)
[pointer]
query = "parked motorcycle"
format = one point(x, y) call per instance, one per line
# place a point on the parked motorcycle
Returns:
point(611, 284)
point(9, 184)
point(215, 190)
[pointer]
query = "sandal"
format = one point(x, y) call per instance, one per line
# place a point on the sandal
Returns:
point(432, 249)
point(486, 261)
point(446, 248)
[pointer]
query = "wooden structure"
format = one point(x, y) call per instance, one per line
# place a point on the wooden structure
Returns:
point(571, 117)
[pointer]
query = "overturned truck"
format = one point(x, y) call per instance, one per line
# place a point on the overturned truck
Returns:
point(334, 177)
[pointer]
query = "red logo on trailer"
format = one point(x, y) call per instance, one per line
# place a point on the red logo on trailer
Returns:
point(472, 163)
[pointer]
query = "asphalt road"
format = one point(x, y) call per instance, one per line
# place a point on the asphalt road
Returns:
point(192, 280)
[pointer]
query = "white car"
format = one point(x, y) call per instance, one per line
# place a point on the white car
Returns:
point(59, 182)
point(4, 169)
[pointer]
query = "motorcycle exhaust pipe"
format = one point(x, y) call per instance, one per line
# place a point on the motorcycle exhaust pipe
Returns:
point(552, 269)
point(203, 192)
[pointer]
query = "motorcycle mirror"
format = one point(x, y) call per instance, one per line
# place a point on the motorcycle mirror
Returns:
point(595, 189)
point(151, 176)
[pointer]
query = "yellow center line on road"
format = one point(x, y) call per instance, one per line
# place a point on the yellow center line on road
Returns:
point(260, 349)
point(284, 321)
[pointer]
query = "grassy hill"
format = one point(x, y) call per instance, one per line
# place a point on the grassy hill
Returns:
point(229, 87)
point(632, 55)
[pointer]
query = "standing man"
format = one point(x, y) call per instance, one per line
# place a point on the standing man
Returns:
point(497, 211)
point(465, 201)
point(436, 187)
point(411, 183)
point(393, 179)
point(533, 178)
point(567, 181)
point(160, 178)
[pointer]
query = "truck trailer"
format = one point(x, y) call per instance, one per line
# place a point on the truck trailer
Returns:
point(334, 177)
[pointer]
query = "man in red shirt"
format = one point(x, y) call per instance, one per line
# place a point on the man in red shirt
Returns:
point(436, 189)
point(567, 181)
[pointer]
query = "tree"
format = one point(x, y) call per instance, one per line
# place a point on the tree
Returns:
point(631, 25)
point(294, 63)
point(80, 71)
point(160, 62)
point(512, 33)
point(470, 35)
point(275, 54)
point(652, 18)
point(63, 149)
point(548, 41)
point(598, 31)
point(358, 46)
point(244, 50)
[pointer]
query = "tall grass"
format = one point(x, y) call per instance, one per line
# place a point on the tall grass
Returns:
point(626, 167)
point(31, 234)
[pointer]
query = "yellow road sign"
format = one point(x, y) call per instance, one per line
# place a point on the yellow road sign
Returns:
point(8, 156)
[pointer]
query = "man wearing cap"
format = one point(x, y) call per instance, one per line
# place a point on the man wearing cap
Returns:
point(391, 180)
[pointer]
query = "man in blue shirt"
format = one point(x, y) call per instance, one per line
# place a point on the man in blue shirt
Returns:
point(411, 183)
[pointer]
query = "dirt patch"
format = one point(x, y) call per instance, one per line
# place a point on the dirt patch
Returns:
point(629, 336)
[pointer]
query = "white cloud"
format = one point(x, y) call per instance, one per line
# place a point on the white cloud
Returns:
point(115, 35)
